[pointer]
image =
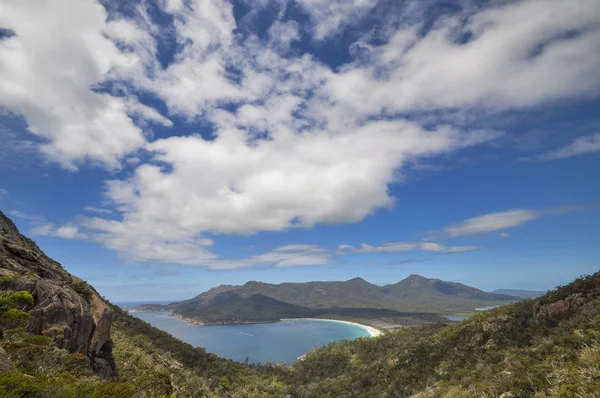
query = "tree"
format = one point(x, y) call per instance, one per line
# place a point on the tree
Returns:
point(13, 318)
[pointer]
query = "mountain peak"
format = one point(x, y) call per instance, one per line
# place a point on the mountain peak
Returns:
point(357, 279)
point(415, 278)
point(254, 284)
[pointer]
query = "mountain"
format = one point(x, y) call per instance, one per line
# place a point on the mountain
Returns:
point(354, 293)
point(415, 294)
point(520, 293)
point(229, 307)
point(59, 338)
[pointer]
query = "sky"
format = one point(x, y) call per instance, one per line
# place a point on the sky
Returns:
point(160, 148)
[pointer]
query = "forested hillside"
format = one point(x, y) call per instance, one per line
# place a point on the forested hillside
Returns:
point(549, 346)
point(415, 297)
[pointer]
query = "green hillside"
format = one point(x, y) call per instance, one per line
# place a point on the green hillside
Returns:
point(59, 338)
point(229, 307)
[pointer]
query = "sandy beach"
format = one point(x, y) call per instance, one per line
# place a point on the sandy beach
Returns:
point(371, 330)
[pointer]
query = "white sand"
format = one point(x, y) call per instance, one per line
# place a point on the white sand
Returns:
point(371, 330)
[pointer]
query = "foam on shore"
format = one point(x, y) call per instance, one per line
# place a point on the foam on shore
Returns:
point(371, 330)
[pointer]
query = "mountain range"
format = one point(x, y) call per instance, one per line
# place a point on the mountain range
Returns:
point(414, 296)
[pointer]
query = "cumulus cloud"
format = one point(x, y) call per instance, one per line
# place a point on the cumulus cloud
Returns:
point(286, 158)
point(52, 81)
point(580, 146)
point(521, 54)
point(228, 185)
point(294, 143)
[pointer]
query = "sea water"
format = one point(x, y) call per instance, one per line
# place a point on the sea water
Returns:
point(281, 341)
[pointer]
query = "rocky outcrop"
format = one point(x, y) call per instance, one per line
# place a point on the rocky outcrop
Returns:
point(66, 309)
point(548, 310)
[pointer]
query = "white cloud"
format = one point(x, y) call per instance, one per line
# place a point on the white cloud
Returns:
point(492, 222)
point(282, 34)
point(299, 247)
point(498, 221)
point(229, 185)
point(286, 159)
point(281, 259)
point(69, 231)
point(580, 146)
point(521, 54)
point(404, 247)
point(139, 247)
point(295, 143)
point(49, 79)
point(45, 229)
point(198, 80)
point(330, 16)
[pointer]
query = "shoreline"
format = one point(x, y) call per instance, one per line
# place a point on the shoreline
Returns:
point(202, 323)
point(373, 332)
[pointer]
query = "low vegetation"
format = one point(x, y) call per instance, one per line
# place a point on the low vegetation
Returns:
point(539, 348)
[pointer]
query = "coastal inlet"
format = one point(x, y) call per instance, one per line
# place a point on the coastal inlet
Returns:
point(282, 341)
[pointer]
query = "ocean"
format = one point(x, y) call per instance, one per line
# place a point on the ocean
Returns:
point(281, 341)
point(131, 304)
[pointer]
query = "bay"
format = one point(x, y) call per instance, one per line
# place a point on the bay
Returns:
point(281, 341)
point(456, 318)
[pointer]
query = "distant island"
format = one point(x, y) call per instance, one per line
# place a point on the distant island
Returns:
point(412, 301)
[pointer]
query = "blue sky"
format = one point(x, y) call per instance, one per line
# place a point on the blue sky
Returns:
point(158, 149)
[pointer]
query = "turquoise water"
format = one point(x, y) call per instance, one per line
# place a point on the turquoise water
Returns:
point(456, 318)
point(275, 342)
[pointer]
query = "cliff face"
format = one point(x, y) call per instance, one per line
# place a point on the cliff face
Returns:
point(66, 309)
